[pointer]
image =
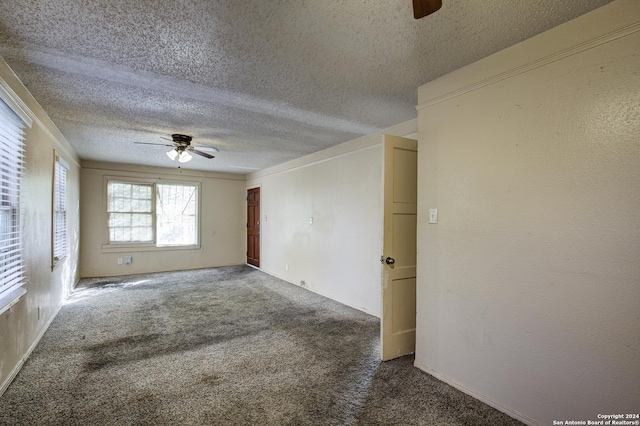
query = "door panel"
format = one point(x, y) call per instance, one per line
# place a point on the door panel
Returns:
point(398, 321)
point(404, 240)
point(404, 318)
point(253, 227)
point(405, 182)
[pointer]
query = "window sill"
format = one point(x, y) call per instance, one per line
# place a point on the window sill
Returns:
point(57, 262)
point(122, 248)
point(11, 298)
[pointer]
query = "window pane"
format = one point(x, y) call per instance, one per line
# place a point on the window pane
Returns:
point(130, 213)
point(141, 220)
point(140, 205)
point(119, 219)
point(140, 233)
point(176, 210)
point(130, 217)
point(124, 234)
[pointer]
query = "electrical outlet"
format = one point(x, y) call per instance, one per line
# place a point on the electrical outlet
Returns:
point(127, 260)
point(119, 261)
point(286, 266)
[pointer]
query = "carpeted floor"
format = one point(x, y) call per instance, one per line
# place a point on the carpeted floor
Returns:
point(222, 346)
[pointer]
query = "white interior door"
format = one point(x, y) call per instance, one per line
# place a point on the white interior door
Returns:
point(398, 324)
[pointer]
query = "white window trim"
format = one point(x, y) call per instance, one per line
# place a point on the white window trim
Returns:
point(152, 213)
point(11, 298)
point(122, 247)
point(13, 101)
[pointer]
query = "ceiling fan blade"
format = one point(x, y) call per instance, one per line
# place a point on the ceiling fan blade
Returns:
point(152, 143)
point(207, 148)
point(204, 154)
point(422, 8)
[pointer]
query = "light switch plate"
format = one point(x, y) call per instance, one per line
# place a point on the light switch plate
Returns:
point(433, 215)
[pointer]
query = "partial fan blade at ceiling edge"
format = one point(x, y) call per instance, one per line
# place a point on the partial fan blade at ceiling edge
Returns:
point(422, 8)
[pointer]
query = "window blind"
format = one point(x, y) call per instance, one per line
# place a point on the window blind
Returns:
point(59, 210)
point(11, 169)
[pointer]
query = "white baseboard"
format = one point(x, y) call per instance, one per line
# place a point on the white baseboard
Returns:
point(510, 412)
point(18, 367)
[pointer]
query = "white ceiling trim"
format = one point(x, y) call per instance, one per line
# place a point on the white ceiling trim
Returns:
point(545, 60)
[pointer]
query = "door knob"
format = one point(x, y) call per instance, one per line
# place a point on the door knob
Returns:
point(390, 260)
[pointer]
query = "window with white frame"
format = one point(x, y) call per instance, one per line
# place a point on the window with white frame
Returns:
point(130, 210)
point(163, 214)
point(11, 169)
point(59, 210)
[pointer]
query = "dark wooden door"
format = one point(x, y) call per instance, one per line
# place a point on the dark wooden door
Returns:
point(253, 227)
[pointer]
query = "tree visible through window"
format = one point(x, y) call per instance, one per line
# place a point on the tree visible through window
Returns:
point(132, 208)
point(176, 207)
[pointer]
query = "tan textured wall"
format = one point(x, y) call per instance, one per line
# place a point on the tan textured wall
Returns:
point(21, 327)
point(529, 285)
point(341, 189)
point(222, 222)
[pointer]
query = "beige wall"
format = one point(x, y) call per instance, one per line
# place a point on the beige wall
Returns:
point(529, 285)
point(341, 189)
point(22, 326)
point(222, 222)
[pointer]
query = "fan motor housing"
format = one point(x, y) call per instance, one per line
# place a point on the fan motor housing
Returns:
point(182, 140)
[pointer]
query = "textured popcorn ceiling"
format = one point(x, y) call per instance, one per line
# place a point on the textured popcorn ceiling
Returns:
point(265, 81)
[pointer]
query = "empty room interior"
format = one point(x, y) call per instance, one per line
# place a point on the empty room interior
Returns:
point(468, 179)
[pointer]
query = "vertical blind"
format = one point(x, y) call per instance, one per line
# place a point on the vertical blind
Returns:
point(11, 168)
point(59, 210)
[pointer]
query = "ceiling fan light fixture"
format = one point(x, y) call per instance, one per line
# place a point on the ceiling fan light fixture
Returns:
point(184, 157)
point(173, 154)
